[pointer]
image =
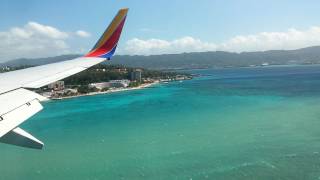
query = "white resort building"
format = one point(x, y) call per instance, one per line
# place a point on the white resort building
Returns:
point(111, 84)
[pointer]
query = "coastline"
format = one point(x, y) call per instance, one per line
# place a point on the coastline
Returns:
point(142, 86)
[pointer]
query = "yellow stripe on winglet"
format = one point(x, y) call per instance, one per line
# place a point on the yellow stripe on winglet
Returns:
point(112, 27)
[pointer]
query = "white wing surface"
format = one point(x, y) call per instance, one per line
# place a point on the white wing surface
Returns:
point(39, 76)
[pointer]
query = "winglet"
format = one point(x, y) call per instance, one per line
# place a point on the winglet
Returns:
point(107, 44)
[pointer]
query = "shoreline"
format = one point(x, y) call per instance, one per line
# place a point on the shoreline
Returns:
point(142, 86)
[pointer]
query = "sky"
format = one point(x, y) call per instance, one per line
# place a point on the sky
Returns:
point(43, 28)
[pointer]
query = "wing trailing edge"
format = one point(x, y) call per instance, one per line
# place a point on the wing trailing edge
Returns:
point(19, 137)
point(16, 107)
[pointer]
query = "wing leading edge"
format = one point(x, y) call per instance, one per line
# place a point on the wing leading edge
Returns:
point(18, 104)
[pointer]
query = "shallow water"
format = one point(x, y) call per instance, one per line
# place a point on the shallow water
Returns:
point(248, 123)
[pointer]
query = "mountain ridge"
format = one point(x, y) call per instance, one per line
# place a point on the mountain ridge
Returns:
point(211, 59)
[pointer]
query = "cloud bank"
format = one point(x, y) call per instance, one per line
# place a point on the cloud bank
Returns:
point(158, 46)
point(290, 39)
point(35, 40)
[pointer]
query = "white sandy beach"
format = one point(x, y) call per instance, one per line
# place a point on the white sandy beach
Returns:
point(109, 91)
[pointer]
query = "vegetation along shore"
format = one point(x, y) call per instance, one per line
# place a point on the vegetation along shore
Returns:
point(102, 79)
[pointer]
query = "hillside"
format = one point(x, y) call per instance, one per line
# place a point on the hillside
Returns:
point(310, 55)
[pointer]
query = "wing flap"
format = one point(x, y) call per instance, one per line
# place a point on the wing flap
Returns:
point(15, 117)
point(14, 99)
point(19, 137)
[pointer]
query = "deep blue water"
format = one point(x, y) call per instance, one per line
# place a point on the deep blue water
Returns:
point(245, 123)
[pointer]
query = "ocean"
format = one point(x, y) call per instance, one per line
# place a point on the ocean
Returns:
point(242, 123)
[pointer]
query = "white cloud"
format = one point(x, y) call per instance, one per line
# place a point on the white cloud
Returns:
point(45, 31)
point(290, 39)
point(158, 46)
point(36, 40)
point(83, 34)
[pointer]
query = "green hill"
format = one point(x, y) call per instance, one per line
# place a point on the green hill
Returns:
point(310, 55)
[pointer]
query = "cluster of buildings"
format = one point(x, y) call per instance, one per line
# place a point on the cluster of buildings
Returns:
point(135, 76)
point(58, 89)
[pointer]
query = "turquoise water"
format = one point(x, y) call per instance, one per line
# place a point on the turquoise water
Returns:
point(249, 123)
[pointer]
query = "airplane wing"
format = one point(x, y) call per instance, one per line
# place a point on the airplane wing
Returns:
point(18, 103)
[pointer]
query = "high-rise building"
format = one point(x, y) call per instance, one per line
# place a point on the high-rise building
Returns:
point(135, 75)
